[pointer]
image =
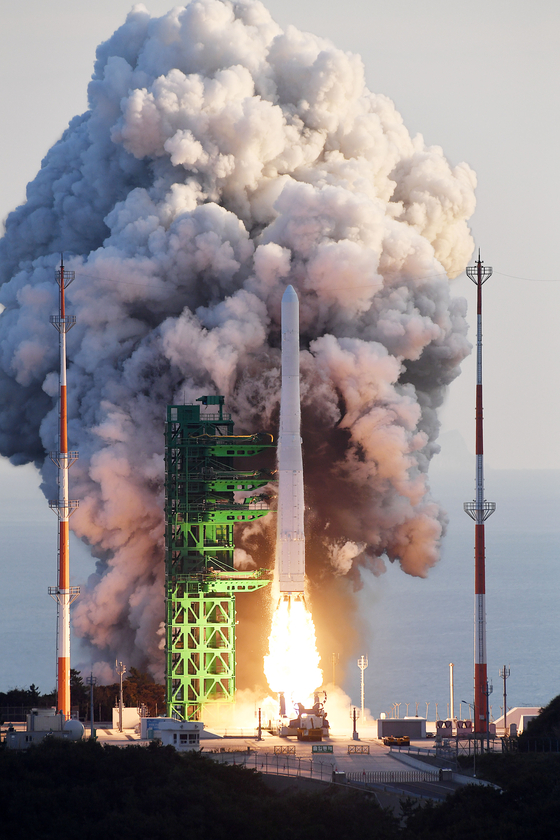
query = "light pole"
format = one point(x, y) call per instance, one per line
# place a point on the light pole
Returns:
point(121, 671)
point(362, 665)
point(354, 715)
point(488, 692)
point(471, 706)
point(504, 674)
point(91, 681)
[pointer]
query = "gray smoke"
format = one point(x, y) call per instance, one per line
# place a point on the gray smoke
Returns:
point(221, 159)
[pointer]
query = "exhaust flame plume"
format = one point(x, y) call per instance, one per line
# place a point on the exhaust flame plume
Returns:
point(292, 663)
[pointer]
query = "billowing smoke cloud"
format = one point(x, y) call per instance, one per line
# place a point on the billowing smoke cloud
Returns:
point(221, 159)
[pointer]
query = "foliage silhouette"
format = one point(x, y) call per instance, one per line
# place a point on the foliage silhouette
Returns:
point(525, 805)
point(84, 790)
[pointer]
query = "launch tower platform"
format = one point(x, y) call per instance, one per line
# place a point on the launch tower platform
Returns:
point(201, 510)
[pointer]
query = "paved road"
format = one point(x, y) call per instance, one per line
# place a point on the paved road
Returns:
point(261, 755)
point(379, 757)
point(303, 762)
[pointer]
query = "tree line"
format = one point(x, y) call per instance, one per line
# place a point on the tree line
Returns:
point(139, 689)
point(84, 790)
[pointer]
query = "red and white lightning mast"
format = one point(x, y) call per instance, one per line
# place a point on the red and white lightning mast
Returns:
point(479, 510)
point(63, 593)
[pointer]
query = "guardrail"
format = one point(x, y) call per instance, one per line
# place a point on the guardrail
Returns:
point(448, 754)
point(133, 743)
point(235, 732)
point(393, 776)
point(235, 750)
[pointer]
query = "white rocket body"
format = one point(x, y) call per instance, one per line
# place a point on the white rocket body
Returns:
point(291, 536)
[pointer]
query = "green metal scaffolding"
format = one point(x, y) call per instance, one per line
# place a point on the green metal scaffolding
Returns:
point(201, 582)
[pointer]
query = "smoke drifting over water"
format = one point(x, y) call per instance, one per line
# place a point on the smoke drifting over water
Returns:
point(222, 159)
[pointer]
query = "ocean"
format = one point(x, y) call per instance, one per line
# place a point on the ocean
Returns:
point(413, 627)
point(417, 627)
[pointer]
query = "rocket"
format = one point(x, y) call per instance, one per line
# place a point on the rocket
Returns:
point(291, 536)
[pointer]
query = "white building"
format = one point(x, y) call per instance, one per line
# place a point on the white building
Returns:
point(181, 734)
point(519, 716)
point(43, 723)
point(130, 717)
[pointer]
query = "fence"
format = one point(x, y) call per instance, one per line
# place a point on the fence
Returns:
point(525, 744)
point(290, 765)
point(374, 777)
point(447, 754)
point(279, 764)
point(14, 714)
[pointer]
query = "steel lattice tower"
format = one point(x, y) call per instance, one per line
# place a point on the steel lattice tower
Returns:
point(201, 581)
point(479, 510)
point(63, 593)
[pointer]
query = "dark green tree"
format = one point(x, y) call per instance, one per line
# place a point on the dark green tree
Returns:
point(83, 791)
point(141, 689)
point(542, 734)
point(79, 693)
point(34, 694)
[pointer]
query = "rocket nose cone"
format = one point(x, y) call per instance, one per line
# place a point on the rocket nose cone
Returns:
point(289, 294)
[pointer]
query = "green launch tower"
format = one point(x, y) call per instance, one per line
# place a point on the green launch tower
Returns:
point(201, 478)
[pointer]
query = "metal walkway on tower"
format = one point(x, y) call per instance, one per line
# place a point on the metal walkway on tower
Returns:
point(201, 510)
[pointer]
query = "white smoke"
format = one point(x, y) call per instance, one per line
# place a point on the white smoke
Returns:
point(343, 555)
point(221, 159)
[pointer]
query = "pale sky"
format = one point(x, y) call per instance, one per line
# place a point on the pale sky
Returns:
point(479, 79)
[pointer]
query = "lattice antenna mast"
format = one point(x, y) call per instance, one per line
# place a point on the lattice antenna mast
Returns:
point(479, 511)
point(63, 593)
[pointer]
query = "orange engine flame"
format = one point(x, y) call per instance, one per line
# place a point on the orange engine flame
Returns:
point(292, 663)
